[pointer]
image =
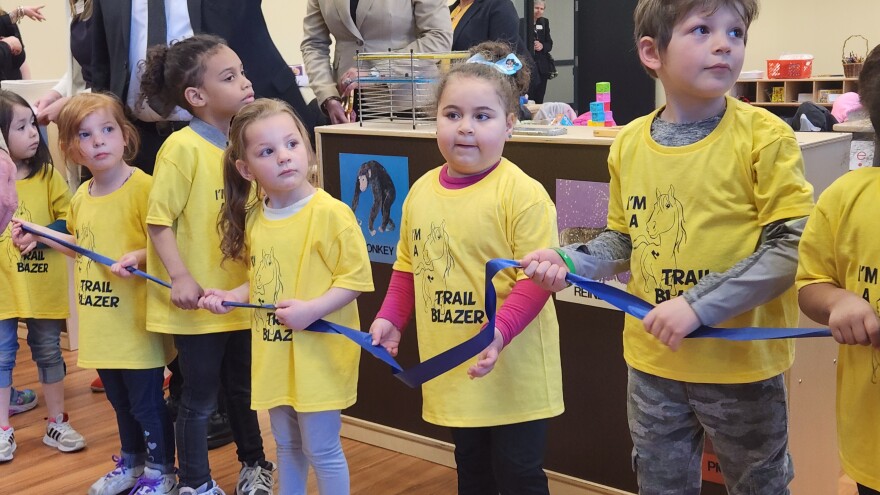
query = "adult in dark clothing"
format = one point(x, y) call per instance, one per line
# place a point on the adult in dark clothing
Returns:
point(542, 47)
point(239, 22)
point(12, 54)
point(476, 21)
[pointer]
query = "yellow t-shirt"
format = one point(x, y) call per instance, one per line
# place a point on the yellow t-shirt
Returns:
point(112, 310)
point(446, 238)
point(301, 257)
point(187, 195)
point(696, 209)
point(840, 247)
point(35, 285)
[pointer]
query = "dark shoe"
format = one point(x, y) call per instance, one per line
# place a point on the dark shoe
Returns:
point(219, 432)
point(172, 404)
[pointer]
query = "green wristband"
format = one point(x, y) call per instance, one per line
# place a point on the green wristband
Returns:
point(568, 262)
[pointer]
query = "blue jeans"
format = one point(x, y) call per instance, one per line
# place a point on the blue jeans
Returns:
point(506, 459)
point(145, 427)
point(44, 339)
point(206, 361)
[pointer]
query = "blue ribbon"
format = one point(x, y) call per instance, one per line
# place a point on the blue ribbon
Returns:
point(639, 308)
point(104, 260)
point(412, 377)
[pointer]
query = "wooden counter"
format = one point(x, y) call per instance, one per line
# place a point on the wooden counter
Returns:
point(589, 445)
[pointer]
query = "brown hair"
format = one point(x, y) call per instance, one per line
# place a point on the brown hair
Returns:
point(77, 109)
point(508, 88)
point(236, 189)
point(169, 69)
point(869, 87)
point(657, 18)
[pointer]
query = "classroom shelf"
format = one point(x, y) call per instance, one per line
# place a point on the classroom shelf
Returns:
point(760, 91)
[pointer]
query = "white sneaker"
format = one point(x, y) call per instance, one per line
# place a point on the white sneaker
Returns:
point(256, 480)
point(209, 488)
point(7, 444)
point(118, 480)
point(62, 436)
point(154, 482)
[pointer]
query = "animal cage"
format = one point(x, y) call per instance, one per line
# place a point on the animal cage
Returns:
point(399, 87)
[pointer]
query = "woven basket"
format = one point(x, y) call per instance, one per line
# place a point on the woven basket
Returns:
point(852, 69)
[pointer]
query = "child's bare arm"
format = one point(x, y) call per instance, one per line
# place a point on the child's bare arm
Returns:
point(26, 241)
point(185, 290)
point(851, 319)
point(133, 259)
point(297, 314)
point(212, 300)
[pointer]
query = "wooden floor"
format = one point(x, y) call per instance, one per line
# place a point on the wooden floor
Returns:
point(39, 470)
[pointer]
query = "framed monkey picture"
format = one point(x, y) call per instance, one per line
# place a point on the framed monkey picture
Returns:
point(375, 187)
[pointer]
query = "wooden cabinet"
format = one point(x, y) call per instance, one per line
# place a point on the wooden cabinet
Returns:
point(760, 91)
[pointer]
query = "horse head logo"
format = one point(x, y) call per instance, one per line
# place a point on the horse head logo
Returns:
point(436, 263)
point(85, 238)
point(666, 232)
point(267, 282)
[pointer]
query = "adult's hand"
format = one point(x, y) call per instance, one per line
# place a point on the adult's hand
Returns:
point(348, 82)
point(34, 12)
point(14, 44)
point(539, 46)
point(337, 113)
point(8, 195)
point(50, 111)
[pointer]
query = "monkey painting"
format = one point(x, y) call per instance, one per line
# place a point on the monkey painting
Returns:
point(374, 174)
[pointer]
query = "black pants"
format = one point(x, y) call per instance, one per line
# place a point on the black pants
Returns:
point(207, 361)
point(505, 459)
point(538, 88)
point(152, 135)
point(864, 490)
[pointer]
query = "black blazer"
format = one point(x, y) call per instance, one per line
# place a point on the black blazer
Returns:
point(488, 20)
point(239, 22)
point(542, 34)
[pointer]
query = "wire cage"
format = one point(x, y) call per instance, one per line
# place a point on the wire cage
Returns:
point(399, 87)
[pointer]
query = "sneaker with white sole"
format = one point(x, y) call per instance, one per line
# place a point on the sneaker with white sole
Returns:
point(21, 401)
point(256, 480)
point(7, 444)
point(62, 436)
point(209, 488)
point(120, 479)
point(153, 482)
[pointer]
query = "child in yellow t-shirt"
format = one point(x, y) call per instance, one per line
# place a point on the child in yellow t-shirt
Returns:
point(499, 422)
point(205, 77)
point(838, 286)
point(307, 256)
point(707, 202)
point(108, 215)
point(34, 283)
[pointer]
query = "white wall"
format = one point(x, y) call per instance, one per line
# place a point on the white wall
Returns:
point(818, 27)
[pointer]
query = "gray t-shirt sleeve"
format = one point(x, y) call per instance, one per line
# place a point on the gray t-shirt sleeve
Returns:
point(603, 256)
point(757, 279)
